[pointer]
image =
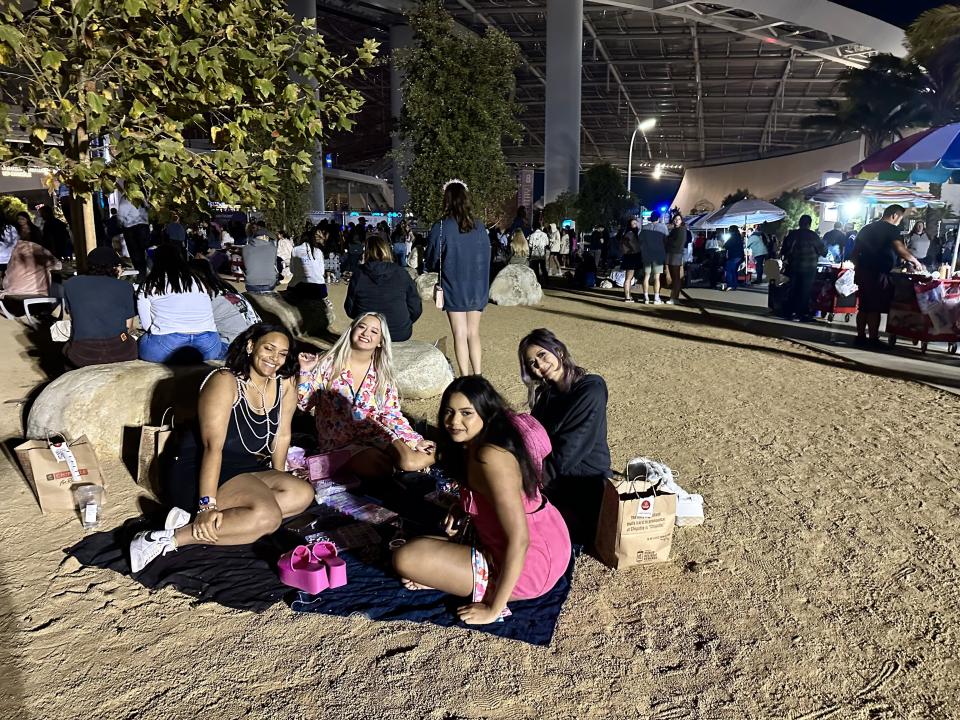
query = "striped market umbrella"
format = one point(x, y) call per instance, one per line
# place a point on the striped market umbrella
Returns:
point(874, 192)
point(929, 156)
point(749, 211)
point(883, 159)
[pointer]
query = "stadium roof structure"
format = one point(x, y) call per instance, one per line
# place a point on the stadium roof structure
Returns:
point(726, 81)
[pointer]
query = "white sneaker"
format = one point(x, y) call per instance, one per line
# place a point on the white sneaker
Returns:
point(646, 300)
point(670, 302)
point(148, 546)
point(628, 300)
point(658, 301)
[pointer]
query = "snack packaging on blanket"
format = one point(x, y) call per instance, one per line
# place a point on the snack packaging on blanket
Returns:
point(296, 458)
point(358, 508)
point(325, 488)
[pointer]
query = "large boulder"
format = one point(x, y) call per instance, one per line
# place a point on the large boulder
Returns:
point(516, 285)
point(306, 318)
point(109, 403)
point(421, 370)
point(425, 285)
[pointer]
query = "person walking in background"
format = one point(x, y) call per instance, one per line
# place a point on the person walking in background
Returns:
point(758, 251)
point(460, 243)
point(918, 243)
point(653, 256)
point(136, 234)
point(539, 242)
point(733, 251)
point(402, 240)
point(174, 231)
point(553, 258)
point(803, 248)
point(676, 241)
point(834, 241)
point(631, 261)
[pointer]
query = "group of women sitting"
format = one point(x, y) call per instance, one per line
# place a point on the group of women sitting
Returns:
point(187, 311)
point(528, 482)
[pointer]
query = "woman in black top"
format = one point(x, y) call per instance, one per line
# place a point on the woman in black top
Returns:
point(382, 286)
point(230, 464)
point(572, 406)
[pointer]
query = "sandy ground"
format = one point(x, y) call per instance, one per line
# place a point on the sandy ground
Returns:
point(824, 583)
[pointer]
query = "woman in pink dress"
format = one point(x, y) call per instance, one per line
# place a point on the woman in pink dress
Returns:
point(522, 547)
point(352, 393)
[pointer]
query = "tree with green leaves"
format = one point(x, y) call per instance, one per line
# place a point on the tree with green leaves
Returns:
point(563, 208)
point(795, 204)
point(198, 101)
point(458, 110)
point(603, 196)
point(736, 196)
point(934, 43)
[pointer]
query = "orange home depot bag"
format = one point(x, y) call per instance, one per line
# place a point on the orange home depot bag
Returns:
point(634, 528)
point(55, 465)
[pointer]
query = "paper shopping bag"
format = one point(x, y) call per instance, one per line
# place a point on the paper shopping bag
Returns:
point(54, 466)
point(153, 439)
point(634, 528)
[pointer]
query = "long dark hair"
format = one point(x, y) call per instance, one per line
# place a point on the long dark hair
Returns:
point(497, 430)
point(214, 282)
point(170, 268)
point(238, 359)
point(552, 344)
point(456, 204)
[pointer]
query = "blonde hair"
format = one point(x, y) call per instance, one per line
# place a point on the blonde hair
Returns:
point(518, 244)
point(338, 357)
point(378, 249)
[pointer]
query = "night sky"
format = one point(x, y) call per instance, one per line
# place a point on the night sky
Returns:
point(897, 12)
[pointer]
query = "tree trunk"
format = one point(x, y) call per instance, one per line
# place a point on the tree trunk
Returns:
point(84, 230)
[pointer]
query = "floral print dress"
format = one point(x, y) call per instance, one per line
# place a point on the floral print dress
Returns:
point(345, 418)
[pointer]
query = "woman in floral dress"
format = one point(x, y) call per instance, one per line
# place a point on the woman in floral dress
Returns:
point(352, 393)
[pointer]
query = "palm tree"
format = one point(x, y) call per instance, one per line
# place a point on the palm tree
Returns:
point(881, 100)
point(934, 43)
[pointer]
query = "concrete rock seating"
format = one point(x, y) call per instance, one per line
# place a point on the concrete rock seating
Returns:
point(516, 285)
point(425, 285)
point(307, 318)
point(421, 370)
point(109, 403)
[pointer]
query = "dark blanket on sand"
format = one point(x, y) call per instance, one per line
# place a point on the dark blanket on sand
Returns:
point(244, 577)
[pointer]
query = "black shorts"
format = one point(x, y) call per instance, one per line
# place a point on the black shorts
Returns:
point(632, 261)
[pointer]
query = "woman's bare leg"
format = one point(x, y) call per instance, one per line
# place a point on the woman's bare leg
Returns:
point(461, 344)
point(432, 562)
point(676, 281)
point(627, 284)
point(646, 282)
point(253, 505)
point(473, 340)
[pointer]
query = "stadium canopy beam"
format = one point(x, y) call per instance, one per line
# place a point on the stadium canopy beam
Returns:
point(820, 15)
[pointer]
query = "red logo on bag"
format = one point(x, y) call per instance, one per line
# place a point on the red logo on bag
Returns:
point(645, 505)
point(65, 474)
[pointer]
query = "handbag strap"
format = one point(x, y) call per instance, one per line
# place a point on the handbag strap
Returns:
point(440, 269)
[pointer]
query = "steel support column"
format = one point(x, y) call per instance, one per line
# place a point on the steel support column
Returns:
point(301, 10)
point(562, 123)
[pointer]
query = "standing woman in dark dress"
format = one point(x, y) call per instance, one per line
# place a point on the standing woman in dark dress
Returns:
point(572, 407)
point(230, 466)
point(460, 248)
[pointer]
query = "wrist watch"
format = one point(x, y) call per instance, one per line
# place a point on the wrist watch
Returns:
point(207, 503)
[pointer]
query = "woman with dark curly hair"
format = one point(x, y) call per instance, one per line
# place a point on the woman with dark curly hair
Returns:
point(230, 465)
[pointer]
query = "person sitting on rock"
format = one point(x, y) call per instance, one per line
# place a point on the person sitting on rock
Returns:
point(176, 310)
point(352, 393)
point(572, 406)
point(522, 547)
point(260, 261)
point(381, 286)
point(29, 270)
point(230, 464)
point(519, 250)
point(231, 311)
point(102, 308)
point(307, 268)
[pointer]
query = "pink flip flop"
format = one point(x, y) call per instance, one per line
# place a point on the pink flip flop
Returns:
point(301, 569)
point(326, 553)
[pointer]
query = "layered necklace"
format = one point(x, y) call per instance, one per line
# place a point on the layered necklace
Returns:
point(261, 428)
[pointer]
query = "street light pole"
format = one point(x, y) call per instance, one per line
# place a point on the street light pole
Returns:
point(642, 128)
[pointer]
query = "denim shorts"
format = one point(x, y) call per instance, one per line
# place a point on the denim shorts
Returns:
point(180, 347)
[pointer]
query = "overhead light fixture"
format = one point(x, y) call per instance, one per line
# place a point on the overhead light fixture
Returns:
point(657, 171)
point(647, 125)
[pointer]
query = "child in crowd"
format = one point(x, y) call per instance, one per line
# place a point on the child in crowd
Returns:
point(572, 406)
point(353, 395)
point(522, 546)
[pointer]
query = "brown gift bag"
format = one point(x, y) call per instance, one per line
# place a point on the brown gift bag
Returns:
point(634, 528)
point(54, 466)
point(153, 439)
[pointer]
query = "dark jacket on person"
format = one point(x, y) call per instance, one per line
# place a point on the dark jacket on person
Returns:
point(803, 249)
point(652, 248)
point(386, 288)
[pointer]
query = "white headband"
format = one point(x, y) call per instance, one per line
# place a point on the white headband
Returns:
point(456, 181)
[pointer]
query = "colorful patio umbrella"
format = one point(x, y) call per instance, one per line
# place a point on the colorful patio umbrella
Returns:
point(883, 159)
point(751, 211)
point(874, 192)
